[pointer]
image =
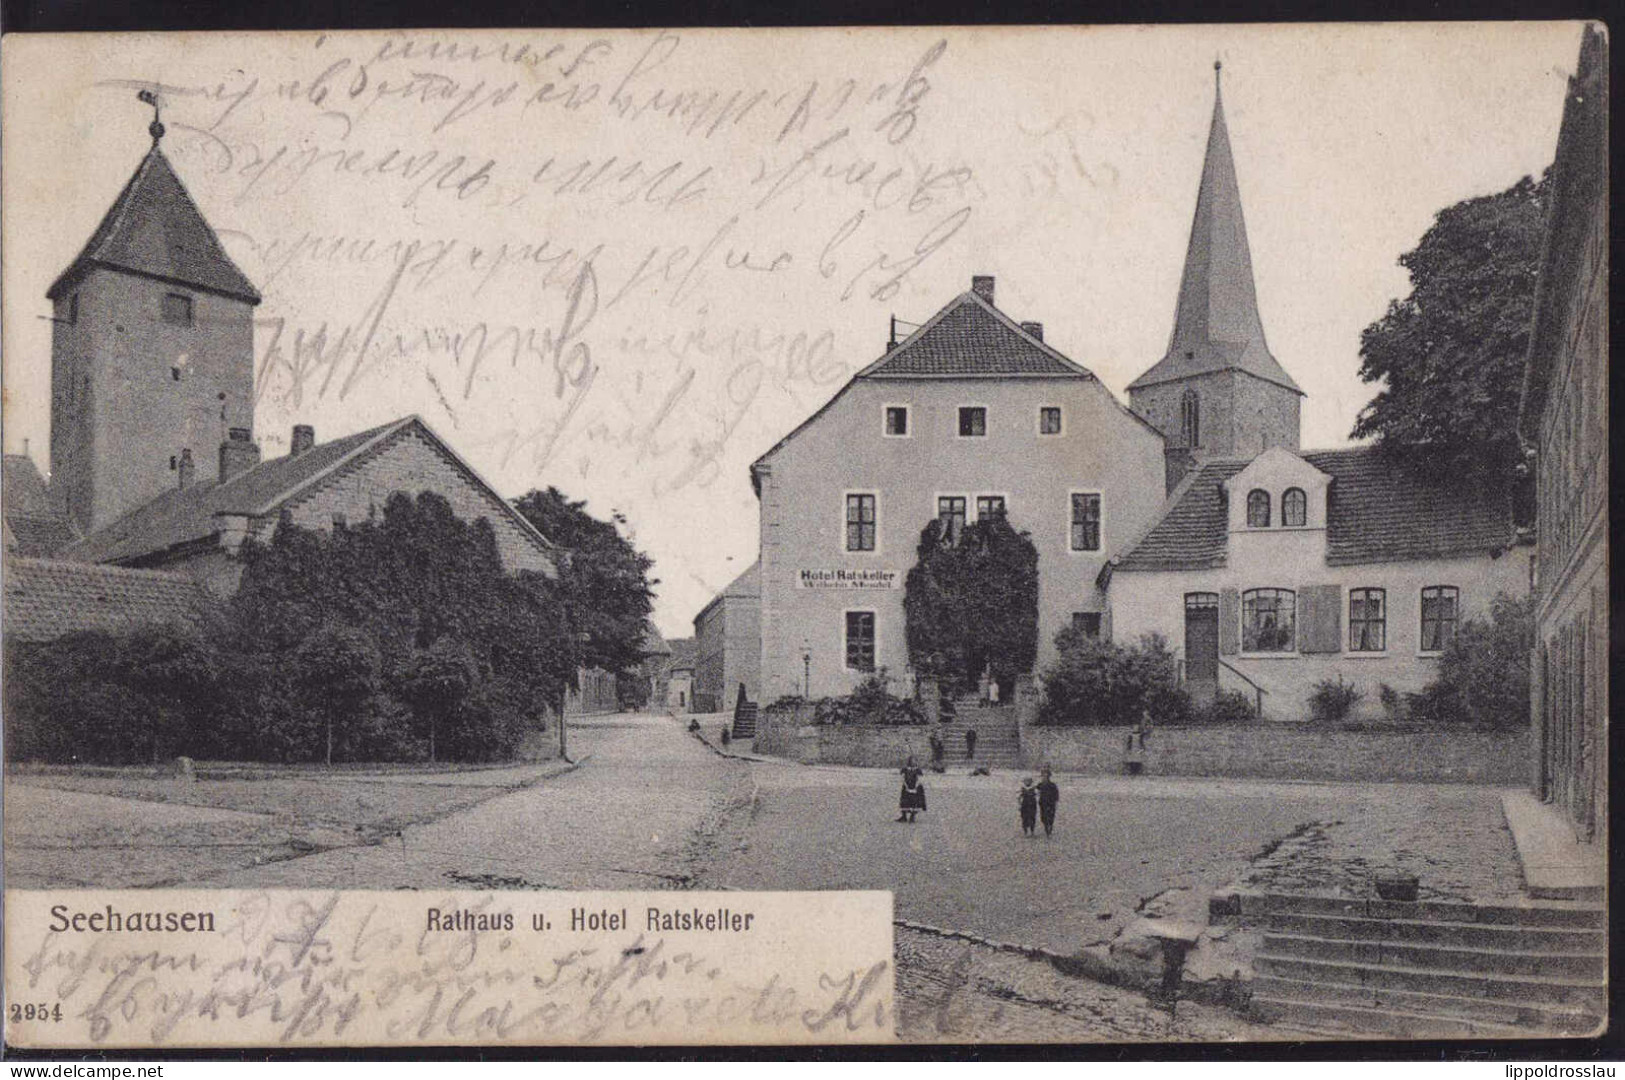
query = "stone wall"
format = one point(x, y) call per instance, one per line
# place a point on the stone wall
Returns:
point(1290, 752)
point(1264, 751)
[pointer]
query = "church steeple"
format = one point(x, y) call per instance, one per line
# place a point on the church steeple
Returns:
point(1216, 321)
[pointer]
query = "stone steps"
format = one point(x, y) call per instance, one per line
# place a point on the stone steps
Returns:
point(744, 726)
point(1272, 990)
point(1435, 968)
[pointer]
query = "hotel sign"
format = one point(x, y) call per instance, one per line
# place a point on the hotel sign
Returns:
point(849, 579)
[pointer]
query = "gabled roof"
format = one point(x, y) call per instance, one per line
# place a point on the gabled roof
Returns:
point(1377, 511)
point(47, 598)
point(1579, 192)
point(186, 515)
point(971, 338)
point(36, 524)
point(1216, 321)
point(747, 586)
point(155, 229)
point(682, 653)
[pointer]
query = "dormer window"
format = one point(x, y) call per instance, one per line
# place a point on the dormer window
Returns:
point(177, 309)
point(1258, 509)
point(1294, 508)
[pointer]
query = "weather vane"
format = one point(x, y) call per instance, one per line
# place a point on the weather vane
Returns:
point(156, 128)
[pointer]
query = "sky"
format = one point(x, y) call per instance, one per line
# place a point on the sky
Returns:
point(626, 263)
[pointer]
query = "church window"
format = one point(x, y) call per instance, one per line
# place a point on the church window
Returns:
point(1190, 419)
point(1441, 609)
point(1269, 621)
point(1294, 508)
point(1258, 509)
point(177, 309)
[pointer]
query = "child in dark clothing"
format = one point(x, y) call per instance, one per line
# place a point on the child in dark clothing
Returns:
point(1029, 806)
point(1048, 796)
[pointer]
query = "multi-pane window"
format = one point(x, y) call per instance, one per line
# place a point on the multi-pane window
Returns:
point(972, 420)
point(1085, 521)
point(1368, 620)
point(1269, 620)
point(1294, 507)
point(989, 505)
point(896, 419)
point(1258, 509)
point(860, 523)
point(1087, 623)
point(860, 640)
point(177, 309)
point(1441, 609)
point(1049, 420)
point(951, 512)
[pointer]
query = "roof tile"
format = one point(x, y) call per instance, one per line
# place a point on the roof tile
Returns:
point(971, 337)
point(47, 598)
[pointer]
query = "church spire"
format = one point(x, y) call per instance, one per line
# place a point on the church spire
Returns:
point(1216, 321)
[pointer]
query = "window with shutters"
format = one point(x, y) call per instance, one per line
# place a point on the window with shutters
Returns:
point(1368, 620)
point(951, 512)
point(860, 522)
point(1258, 509)
point(1269, 621)
point(1294, 508)
point(1441, 609)
point(860, 640)
point(1085, 530)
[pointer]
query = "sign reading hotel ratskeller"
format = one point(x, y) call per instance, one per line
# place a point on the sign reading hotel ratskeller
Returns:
point(849, 579)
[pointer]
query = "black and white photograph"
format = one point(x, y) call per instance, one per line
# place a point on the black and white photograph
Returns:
point(1107, 525)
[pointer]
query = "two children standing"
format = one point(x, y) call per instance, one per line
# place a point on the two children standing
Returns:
point(1038, 801)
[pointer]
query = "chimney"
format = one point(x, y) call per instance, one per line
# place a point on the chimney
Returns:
point(238, 454)
point(304, 437)
point(186, 469)
point(1177, 462)
point(982, 285)
point(1036, 329)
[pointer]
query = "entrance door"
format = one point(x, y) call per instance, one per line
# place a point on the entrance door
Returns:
point(1202, 646)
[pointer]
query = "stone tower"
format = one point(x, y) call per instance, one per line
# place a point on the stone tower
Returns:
point(1217, 391)
point(152, 354)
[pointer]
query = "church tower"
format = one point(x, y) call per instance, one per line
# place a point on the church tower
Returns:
point(152, 353)
point(1217, 392)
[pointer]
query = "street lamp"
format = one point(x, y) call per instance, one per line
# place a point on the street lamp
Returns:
point(806, 671)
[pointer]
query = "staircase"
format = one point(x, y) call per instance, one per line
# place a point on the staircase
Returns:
point(998, 739)
point(745, 720)
point(1392, 969)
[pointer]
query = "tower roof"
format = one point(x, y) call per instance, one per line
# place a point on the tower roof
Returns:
point(1216, 324)
point(155, 229)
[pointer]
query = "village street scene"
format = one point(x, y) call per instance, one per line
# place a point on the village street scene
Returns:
point(1246, 688)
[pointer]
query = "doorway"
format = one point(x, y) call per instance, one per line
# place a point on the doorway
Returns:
point(1202, 646)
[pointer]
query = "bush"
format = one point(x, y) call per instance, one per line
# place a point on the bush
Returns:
point(1227, 707)
point(1486, 666)
point(1331, 702)
point(1093, 682)
point(1393, 705)
point(1437, 704)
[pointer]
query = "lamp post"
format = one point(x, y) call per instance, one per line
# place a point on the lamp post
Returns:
point(806, 671)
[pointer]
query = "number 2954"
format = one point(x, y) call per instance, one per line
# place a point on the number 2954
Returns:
point(32, 1011)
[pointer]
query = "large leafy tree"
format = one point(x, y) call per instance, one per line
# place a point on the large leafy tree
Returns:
point(970, 604)
point(604, 580)
point(1450, 355)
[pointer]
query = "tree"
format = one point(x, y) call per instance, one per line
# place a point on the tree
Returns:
point(1485, 668)
point(437, 681)
point(1093, 682)
point(1451, 354)
point(604, 581)
point(337, 672)
point(970, 604)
